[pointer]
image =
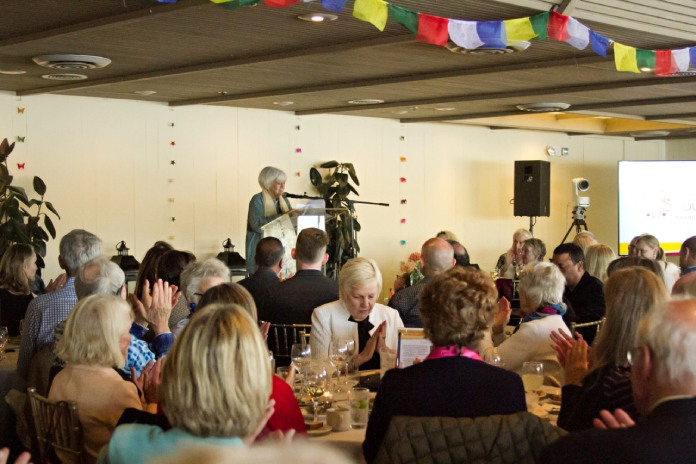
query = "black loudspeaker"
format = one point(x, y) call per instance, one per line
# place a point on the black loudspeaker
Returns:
point(532, 188)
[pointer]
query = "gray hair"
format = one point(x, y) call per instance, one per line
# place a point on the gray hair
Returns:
point(269, 174)
point(77, 247)
point(193, 273)
point(672, 340)
point(524, 234)
point(99, 277)
point(543, 283)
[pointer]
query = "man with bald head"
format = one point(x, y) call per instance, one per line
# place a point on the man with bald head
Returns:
point(437, 256)
point(663, 380)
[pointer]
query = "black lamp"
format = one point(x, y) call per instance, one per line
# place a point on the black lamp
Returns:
point(126, 262)
point(232, 259)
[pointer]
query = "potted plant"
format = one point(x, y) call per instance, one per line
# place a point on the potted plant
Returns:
point(23, 219)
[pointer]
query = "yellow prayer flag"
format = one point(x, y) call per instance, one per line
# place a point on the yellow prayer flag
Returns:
point(518, 29)
point(373, 11)
point(625, 58)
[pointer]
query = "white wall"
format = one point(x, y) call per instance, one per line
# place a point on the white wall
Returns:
point(107, 167)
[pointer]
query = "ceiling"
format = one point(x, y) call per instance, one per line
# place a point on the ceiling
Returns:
point(196, 52)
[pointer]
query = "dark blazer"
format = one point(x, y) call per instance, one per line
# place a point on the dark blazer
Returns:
point(449, 387)
point(666, 435)
point(259, 284)
point(587, 301)
point(292, 301)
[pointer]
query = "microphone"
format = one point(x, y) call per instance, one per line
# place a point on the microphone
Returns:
point(292, 195)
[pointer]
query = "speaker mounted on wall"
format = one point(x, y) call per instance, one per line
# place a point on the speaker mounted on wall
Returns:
point(532, 188)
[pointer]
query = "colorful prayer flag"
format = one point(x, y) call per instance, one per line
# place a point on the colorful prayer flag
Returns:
point(540, 23)
point(371, 11)
point(599, 43)
point(578, 34)
point(432, 30)
point(518, 30)
point(558, 26)
point(680, 60)
point(492, 33)
point(407, 18)
point(280, 3)
point(625, 58)
point(464, 33)
point(663, 62)
point(334, 5)
point(692, 54)
point(645, 60)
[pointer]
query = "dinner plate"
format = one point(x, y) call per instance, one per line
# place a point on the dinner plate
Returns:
point(319, 432)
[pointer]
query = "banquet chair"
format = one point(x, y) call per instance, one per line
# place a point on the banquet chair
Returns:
point(57, 429)
point(281, 337)
point(518, 438)
point(597, 325)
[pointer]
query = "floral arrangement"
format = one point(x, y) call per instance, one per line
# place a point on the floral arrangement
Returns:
point(411, 272)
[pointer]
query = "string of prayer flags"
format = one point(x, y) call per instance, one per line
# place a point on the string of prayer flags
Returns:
point(645, 59)
point(599, 43)
point(432, 30)
point(464, 33)
point(374, 12)
point(519, 29)
point(680, 60)
point(492, 34)
point(558, 26)
point(625, 58)
point(334, 5)
point(407, 18)
point(578, 34)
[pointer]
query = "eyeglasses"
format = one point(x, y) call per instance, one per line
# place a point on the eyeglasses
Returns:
point(632, 355)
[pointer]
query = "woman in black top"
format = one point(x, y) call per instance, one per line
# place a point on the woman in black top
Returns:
point(17, 272)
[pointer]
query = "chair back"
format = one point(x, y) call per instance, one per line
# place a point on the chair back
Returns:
point(57, 429)
point(518, 438)
point(281, 337)
point(586, 325)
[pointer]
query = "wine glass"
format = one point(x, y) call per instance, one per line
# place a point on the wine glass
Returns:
point(338, 354)
point(532, 376)
point(4, 334)
point(301, 354)
point(315, 380)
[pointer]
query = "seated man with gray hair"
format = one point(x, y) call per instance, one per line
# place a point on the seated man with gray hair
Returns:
point(196, 278)
point(663, 380)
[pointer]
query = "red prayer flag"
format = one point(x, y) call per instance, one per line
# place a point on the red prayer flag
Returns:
point(432, 30)
point(280, 3)
point(558, 26)
point(663, 62)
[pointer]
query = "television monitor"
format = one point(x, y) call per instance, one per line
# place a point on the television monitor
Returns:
point(658, 198)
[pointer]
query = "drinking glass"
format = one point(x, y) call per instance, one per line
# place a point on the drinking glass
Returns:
point(314, 383)
point(338, 353)
point(301, 354)
point(359, 407)
point(532, 376)
point(4, 334)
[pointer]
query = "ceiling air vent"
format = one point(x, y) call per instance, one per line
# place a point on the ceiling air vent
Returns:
point(64, 77)
point(76, 62)
point(516, 47)
point(543, 107)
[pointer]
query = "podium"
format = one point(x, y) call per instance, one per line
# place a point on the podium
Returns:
point(286, 227)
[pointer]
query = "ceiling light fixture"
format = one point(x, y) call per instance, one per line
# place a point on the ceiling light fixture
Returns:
point(445, 108)
point(513, 48)
point(64, 77)
point(365, 101)
point(284, 103)
point(71, 61)
point(12, 72)
point(317, 17)
point(651, 133)
point(543, 107)
point(400, 112)
point(145, 93)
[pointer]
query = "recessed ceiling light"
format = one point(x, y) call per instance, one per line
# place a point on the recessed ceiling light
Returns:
point(12, 72)
point(543, 107)
point(64, 77)
point(222, 92)
point(284, 103)
point(365, 101)
point(400, 112)
point(445, 108)
point(317, 17)
point(71, 61)
point(145, 93)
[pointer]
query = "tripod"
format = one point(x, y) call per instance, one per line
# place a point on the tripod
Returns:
point(578, 221)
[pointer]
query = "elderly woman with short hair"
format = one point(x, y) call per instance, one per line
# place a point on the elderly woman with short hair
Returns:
point(512, 259)
point(534, 251)
point(264, 207)
point(95, 342)
point(356, 315)
point(457, 307)
point(541, 295)
point(215, 387)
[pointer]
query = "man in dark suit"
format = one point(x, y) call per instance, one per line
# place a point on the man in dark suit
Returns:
point(269, 261)
point(583, 292)
point(663, 380)
point(292, 301)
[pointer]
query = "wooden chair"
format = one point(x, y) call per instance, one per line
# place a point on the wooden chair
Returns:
point(596, 324)
point(57, 429)
point(281, 337)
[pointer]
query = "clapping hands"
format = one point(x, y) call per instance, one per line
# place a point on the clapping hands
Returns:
point(156, 305)
point(572, 354)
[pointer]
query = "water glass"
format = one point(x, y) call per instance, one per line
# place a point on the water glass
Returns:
point(532, 376)
point(301, 354)
point(359, 399)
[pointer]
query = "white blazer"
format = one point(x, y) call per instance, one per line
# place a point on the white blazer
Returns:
point(330, 322)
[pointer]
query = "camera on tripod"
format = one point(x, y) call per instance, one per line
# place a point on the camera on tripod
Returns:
point(580, 185)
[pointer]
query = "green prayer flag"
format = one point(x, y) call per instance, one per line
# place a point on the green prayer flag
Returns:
point(234, 4)
point(645, 59)
point(540, 24)
point(407, 18)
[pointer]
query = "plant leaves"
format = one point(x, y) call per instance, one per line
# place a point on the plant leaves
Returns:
point(315, 177)
point(50, 207)
point(327, 165)
point(356, 225)
point(39, 247)
point(351, 172)
point(49, 226)
point(352, 189)
point(342, 179)
point(39, 234)
point(5, 149)
point(40, 262)
point(39, 186)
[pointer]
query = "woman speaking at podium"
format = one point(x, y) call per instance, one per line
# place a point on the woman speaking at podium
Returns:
point(264, 207)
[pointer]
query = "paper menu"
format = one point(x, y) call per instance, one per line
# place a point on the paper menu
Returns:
point(412, 345)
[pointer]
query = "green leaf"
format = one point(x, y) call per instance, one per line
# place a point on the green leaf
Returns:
point(351, 171)
point(352, 189)
point(5, 149)
point(40, 262)
point(50, 207)
point(327, 165)
point(49, 226)
point(39, 186)
point(356, 225)
point(39, 247)
point(342, 179)
point(39, 233)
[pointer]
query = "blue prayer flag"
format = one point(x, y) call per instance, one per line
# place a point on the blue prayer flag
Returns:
point(334, 5)
point(599, 43)
point(492, 34)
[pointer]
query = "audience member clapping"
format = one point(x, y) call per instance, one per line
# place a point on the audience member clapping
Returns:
point(602, 379)
point(541, 294)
